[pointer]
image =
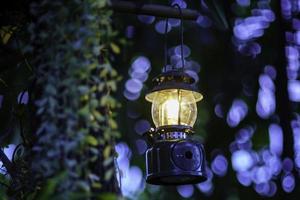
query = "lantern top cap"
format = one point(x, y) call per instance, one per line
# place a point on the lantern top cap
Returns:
point(174, 79)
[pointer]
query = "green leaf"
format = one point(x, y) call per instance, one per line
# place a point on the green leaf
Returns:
point(107, 196)
point(6, 33)
point(91, 140)
point(108, 161)
point(50, 187)
point(108, 174)
point(96, 185)
point(115, 48)
point(107, 151)
point(85, 111)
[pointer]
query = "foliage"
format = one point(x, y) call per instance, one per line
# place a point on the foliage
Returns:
point(71, 153)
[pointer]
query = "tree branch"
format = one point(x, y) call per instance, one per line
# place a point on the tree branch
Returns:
point(139, 8)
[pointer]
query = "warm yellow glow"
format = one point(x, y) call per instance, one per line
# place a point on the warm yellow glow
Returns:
point(171, 111)
point(174, 107)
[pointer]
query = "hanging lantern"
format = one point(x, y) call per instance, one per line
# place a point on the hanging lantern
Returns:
point(174, 158)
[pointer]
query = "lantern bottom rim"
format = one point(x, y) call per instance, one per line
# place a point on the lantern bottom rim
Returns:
point(176, 178)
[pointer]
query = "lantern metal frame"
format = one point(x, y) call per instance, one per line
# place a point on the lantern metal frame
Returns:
point(174, 158)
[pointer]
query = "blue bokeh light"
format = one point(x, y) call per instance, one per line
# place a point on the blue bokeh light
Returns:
point(243, 3)
point(276, 139)
point(261, 174)
point(142, 126)
point(204, 21)
point(133, 85)
point(141, 146)
point(147, 19)
point(294, 90)
point(25, 98)
point(219, 165)
point(241, 160)
point(266, 103)
point(288, 183)
point(237, 112)
point(185, 191)
point(160, 26)
point(244, 178)
point(141, 64)
point(8, 151)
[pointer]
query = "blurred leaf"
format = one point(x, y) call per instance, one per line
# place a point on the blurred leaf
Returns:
point(91, 140)
point(115, 48)
point(49, 188)
point(96, 185)
point(108, 161)
point(6, 33)
point(108, 196)
point(107, 151)
point(109, 173)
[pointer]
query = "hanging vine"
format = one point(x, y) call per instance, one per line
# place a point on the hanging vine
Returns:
point(71, 153)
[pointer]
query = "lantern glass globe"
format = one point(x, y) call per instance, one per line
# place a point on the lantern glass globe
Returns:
point(174, 107)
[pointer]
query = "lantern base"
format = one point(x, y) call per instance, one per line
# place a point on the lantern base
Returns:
point(175, 162)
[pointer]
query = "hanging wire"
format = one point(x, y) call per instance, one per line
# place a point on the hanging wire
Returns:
point(181, 39)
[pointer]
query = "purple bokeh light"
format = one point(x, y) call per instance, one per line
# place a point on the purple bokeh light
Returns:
point(288, 183)
point(141, 146)
point(25, 97)
point(270, 71)
point(261, 174)
point(266, 104)
point(139, 70)
point(160, 27)
point(186, 51)
point(276, 139)
point(133, 85)
point(127, 173)
point(244, 178)
point(237, 112)
point(192, 65)
point(244, 135)
point(185, 191)
point(219, 165)
point(294, 90)
point(147, 19)
point(262, 188)
point(243, 3)
point(287, 165)
point(8, 151)
point(206, 187)
point(286, 8)
point(174, 22)
point(130, 31)
point(141, 64)
point(131, 96)
point(219, 111)
point(241, 160)
point(142, 126)
point(181, 3)
point(204, 21)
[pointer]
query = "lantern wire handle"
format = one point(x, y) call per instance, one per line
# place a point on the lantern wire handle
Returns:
point(181, 39)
